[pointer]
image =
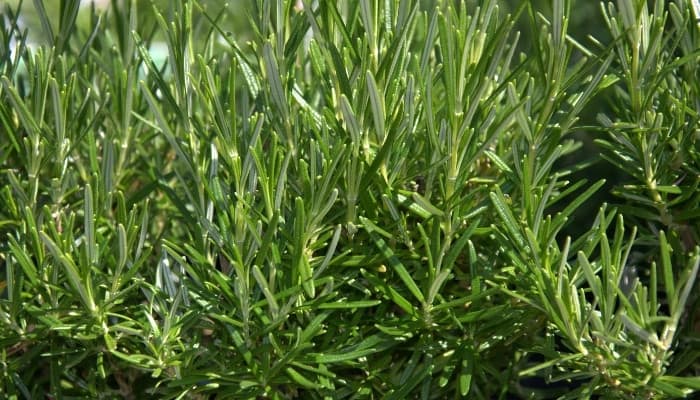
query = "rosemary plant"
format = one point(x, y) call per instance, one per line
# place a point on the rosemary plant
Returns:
point(368, 199)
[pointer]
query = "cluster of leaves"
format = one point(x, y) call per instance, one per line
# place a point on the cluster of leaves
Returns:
point(364, 200)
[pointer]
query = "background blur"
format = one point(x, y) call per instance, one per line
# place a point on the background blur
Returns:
point(585, 20)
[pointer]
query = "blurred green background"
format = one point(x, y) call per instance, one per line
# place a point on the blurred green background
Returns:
point(233, 11)
point(585, 18)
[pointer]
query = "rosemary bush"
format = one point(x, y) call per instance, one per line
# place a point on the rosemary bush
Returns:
point(354, 200)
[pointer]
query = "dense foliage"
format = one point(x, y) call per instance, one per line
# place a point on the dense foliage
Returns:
point(368, 199)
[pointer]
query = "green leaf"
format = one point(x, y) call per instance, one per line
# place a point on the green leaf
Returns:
point(640, 332)
point(465, 376)
point(89, 220)
point(313, 327)
point(667, 271)
point(24, 260)
point(377, 102)
point(267, 292)
point(425, 205)
point(670, 388)
point(507, 217)
point(370, 345)
point(395, 263)
point(273, 76)
point(349, 304)
point(301, 379)
point(78, 283)
point(691, 382)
